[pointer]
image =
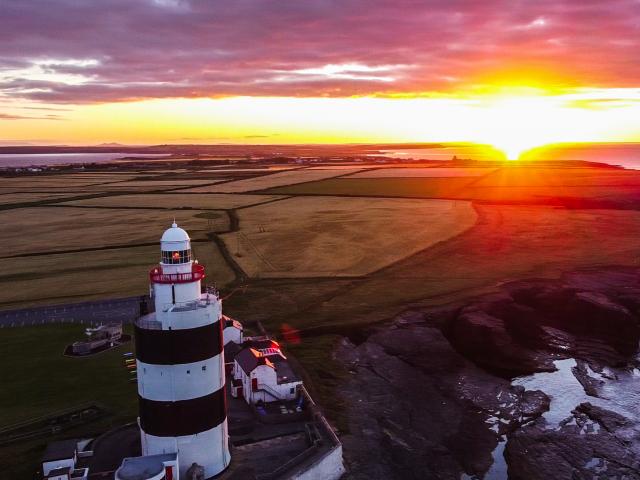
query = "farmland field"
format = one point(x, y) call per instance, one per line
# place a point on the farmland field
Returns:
point(380, 187)
point(311, 237)
point(56, 229)
point(273, 180)
point(436, 172)
point(554, 177)
point(69, 180)
point(589, 188)
point(158, 184)
point(328, 256)
point(112, 273)
point(507, 242)
point(177, 200)
point(11, 198)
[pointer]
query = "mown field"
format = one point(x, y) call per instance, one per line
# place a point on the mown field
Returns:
point(325, 263)
point(80, 276)
point(273, 180)
point(53, 229)
point(177, 200)
point(15, 198)
point(430, 172)
point(570, 187)
point(320, 237)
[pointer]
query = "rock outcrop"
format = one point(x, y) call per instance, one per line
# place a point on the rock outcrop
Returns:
point(594, 443)
point(430, 394)
point(520, 330)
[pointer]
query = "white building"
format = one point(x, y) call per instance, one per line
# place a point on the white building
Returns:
point(233, 331)
point(59, 461)
point(155, 467)
point(262, 373)
point(180, 369)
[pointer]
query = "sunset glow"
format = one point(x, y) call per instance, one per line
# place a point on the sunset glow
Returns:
point(506, 76)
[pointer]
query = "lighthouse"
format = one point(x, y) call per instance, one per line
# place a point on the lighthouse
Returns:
point(180, 364)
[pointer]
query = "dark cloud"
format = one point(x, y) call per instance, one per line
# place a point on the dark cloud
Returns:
point(52, 109)
point(117, 50)
point(8, 116)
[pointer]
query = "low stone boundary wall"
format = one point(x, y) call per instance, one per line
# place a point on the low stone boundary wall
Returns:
point(95, 312)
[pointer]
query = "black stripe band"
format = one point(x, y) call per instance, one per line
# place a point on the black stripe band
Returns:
point(186, 417)
point(172, 347)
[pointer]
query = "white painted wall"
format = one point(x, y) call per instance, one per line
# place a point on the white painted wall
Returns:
point(59, 477)
point(187, 292)
point(232, 334)
point(199, 317)
point(328, 467)
point(265, 376)
point(159, 476)
point(208, 448)
point(173, 383)
point(65, 462)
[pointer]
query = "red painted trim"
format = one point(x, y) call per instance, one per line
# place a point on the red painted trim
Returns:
point(197, 273)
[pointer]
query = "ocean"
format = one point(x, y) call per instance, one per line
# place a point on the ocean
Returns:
point(42, 159)
point(626, 155)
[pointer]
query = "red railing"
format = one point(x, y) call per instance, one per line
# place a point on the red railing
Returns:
point(196, 273)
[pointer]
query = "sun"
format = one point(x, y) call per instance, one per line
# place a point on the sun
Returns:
point(514, 148)
point(515, 124)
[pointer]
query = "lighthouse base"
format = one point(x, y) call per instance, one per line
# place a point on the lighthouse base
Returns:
point(208, 449)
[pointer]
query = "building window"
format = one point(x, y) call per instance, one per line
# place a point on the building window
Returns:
point(188, 372)
point(292, 390)
point(204, 367)
point(176, 257)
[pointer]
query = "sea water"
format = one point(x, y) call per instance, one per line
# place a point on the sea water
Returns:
point(43, 159)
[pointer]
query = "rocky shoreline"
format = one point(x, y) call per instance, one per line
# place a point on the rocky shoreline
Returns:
point(441, 393)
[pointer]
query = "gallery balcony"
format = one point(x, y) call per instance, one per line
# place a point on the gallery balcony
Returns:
point(157, 276)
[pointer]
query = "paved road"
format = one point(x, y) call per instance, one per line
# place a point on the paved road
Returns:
point(123, 310)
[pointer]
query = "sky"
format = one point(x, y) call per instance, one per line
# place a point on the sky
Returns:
point(512, 73)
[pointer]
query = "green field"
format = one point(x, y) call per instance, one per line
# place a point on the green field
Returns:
point(434, 187)
point(38, 379)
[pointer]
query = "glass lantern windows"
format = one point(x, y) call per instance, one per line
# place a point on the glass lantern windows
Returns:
point(176, 257)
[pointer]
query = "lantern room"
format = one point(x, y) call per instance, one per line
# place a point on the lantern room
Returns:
point(175, 246)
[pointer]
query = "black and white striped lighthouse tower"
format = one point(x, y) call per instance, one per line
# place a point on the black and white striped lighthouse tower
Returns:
point(180, 364)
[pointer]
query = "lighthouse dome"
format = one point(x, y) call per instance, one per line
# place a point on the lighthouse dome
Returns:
point(175, 234)
point(175, 245)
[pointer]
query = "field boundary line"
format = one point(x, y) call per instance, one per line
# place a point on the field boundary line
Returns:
point(91, 249)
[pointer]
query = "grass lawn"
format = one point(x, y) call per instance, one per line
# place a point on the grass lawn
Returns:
point(39, 380)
